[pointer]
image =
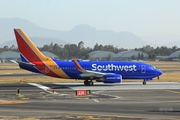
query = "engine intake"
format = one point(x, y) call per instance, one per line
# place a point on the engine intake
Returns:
point(112, 78)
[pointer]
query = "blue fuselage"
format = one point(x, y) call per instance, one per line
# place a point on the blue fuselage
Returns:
point(128, 70)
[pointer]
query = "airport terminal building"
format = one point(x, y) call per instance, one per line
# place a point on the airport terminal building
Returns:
point(99, 56)
point(121, 56)
point(102, 56)
point(132, 55)
point(174, 56)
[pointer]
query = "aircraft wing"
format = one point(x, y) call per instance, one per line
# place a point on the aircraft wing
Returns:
point(88, 73)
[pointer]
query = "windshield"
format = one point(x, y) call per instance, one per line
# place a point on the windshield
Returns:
point(152, 67)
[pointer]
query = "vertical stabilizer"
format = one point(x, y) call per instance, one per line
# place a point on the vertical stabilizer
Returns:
point(29, 52)
point(34, 60)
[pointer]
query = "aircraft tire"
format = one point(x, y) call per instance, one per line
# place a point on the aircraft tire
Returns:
point(91, 83)
point(86, 82)
point(144, 82)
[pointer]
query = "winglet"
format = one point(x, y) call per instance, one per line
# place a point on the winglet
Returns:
point(78, 66)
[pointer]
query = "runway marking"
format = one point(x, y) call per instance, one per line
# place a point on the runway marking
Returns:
point(45, 88)
point(95, 100)
point(173, 91)
point(40, 86)
point(115, 97)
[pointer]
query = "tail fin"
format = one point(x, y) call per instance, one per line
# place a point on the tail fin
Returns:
point(29, 52)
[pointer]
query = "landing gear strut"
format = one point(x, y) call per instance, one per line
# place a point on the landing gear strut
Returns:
point(88, 83)
point(144, 82)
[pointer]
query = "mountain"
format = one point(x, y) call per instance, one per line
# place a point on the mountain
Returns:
point(38, 41)
point(89, 35)
point(174, 43)
point(32, 30)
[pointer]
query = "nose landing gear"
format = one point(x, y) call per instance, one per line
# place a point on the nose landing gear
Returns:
point(144, 82)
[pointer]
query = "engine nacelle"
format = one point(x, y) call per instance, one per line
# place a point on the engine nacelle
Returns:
point(112, 78)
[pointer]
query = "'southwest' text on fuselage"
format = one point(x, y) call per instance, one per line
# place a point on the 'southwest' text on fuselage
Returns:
point(112, 67)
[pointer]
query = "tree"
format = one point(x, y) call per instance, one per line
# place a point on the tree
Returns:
point(152, 56)
point(6, 48)
point(110, 57)
point(45, 48)
point(96, 47)
point(12, 47)
point(142, 56)
point(73, 51)
point(139, 56)
point(51, 47)
point(56, 49)
point(81, 45)
point(100, 47)
point(78, 50)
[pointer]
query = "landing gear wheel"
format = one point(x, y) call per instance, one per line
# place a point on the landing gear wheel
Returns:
point(86, 82)
point(144, 82)
point(91, 83)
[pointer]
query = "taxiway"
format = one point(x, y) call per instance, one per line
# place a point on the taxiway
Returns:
point(156, 100)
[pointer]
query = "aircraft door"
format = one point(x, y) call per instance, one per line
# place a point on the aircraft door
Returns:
point(143, 69)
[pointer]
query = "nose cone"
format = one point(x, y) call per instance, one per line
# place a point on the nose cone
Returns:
point(159, 72)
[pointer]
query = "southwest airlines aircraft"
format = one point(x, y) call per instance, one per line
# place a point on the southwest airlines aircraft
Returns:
point(108, 72)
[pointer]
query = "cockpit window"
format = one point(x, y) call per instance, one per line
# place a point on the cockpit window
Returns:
point(152, 68)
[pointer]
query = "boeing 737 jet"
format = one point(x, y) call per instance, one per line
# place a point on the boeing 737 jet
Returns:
point(108, 72)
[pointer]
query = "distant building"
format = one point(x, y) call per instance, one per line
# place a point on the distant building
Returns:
point(121, 56)
point(12, 55)
point(175, 56)
point(162, 58)
point(103, 56)
point(9, 55)
point(132, 55)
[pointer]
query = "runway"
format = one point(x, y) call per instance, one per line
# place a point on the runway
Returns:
point(156, 100)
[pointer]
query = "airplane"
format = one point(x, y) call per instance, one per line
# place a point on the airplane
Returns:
point(101, 71)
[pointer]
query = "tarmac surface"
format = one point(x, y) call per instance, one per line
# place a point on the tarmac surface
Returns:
point(125, 101)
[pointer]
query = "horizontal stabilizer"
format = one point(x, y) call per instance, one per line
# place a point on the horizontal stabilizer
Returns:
point(25, 63)
point(13, 61)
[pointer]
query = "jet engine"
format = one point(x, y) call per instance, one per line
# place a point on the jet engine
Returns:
point(112, 78)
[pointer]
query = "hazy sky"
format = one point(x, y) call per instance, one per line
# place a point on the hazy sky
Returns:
point(141, 17)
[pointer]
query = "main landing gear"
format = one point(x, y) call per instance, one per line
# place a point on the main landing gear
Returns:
point(88, 83)
point(144, 82)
